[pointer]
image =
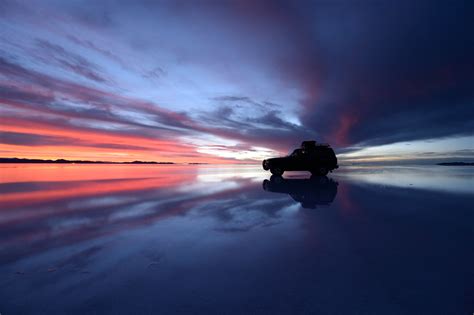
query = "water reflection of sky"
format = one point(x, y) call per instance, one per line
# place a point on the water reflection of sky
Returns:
point(200, 239)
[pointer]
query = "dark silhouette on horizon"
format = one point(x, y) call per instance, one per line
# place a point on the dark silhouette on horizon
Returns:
point(456, 164)
point(309, 192)
point(63, 161)
point(317, 158)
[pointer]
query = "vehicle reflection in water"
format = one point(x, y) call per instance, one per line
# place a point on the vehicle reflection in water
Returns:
point(309, 192)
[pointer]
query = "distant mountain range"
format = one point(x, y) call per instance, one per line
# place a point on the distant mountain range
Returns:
point(63, 161)
point(456, 164)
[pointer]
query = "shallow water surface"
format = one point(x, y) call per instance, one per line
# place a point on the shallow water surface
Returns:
point(167, 239)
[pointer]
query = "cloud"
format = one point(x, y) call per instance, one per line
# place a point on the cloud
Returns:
point(49, 93)
point(29, 139)
point(405, 75)
point(260, 74)
point(52, 53)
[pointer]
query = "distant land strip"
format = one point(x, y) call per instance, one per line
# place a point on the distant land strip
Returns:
point(456, 164)
point(63, 161)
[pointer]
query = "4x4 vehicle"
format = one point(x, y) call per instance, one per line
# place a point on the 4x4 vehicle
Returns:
point(317, 158)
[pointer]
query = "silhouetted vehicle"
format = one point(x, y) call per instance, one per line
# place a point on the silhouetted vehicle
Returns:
point(317, 158)
point(309, 192)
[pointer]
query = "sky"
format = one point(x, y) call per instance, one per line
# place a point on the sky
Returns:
point(236, 81)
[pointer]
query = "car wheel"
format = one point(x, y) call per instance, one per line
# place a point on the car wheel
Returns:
point(265, 184)
point(276, 179)
point(323, 171)
point(276, 171)
point(320, 171)
point(322, 180)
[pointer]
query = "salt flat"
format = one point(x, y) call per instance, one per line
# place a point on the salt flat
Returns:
point(166, 239)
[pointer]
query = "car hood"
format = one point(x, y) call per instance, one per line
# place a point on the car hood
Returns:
point(277, 159)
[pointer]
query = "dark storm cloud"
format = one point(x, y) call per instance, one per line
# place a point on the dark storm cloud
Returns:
point(372, 72)
point(396, 71)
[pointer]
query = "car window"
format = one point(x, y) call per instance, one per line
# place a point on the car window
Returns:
point(297, 152)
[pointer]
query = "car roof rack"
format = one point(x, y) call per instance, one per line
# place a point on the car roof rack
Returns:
point(312, 144)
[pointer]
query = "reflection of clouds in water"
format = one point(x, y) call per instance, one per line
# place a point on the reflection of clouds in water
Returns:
point(135, 211)
point(64, 226)
point(200, 188)
point(82, 213)
point(454, 179)
point(216, 243)
point(104, 201)
point(231, 175)
point(80, 259)
point(245, 213)
point(82, 210)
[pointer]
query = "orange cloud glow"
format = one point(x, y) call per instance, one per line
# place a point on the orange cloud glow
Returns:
point(96, 145)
